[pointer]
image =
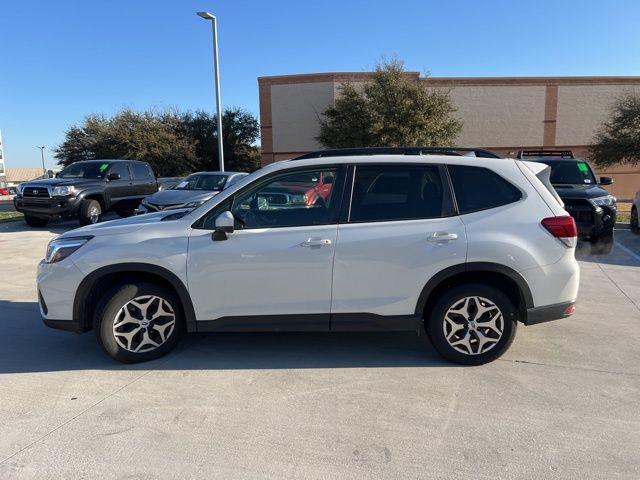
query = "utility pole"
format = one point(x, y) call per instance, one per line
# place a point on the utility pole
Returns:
point(44, 170)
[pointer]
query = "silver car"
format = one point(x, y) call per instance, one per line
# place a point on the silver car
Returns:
point(191, 192)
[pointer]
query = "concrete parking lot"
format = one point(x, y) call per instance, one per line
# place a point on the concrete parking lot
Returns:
point(564, 402)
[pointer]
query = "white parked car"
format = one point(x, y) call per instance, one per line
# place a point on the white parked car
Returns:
point(463, 248)
point(635, 208)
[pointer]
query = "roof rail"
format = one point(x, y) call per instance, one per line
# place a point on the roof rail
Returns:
point(545, 153)
point(347, 152)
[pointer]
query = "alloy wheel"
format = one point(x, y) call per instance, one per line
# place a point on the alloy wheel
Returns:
point(473, 325)
point(94, 214)
point(144, 323)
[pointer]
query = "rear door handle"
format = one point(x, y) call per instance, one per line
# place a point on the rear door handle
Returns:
point(442, 237)
point(316, 242)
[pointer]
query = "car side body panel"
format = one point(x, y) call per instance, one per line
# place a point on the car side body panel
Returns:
point(381, 267)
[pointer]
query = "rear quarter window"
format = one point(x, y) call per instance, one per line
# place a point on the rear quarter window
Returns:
point(478, 188)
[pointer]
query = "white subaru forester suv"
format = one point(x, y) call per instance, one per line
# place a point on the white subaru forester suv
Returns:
point(463, 248)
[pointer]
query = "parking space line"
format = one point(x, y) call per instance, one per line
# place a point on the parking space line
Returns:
point(628, 251)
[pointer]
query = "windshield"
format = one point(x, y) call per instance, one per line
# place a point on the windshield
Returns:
point(571, 173)
point(202, 182)
point(84, 170)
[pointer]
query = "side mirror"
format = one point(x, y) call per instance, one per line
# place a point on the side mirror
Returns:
point(224, 224)
point(113, 176)
point(606, 181)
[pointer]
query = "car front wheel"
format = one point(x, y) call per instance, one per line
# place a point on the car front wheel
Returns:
point(137, 322)
point(90, 212)
point(472, 324)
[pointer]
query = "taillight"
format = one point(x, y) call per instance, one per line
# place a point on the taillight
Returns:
point(563, 228)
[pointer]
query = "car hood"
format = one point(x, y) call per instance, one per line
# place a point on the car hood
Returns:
point(176, 197)
point(130, 224)
point(61, 182)
point(580, 191)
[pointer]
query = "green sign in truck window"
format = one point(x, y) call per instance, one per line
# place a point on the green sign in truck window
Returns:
point(583, 167)
point(104, 166)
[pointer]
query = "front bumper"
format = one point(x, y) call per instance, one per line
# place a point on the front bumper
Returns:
point(52, 207)
point(591, 221)
point(57, 286)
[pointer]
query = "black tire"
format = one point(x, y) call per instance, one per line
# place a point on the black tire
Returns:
point(109, 311)
point(436, 325)
point(602, 244)
point(635, 224)
point(87, 210)
point(35, 221)
point(124, 213)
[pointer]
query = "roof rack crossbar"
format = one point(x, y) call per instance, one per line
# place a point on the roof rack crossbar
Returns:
point(545, 153)
point(453, 151)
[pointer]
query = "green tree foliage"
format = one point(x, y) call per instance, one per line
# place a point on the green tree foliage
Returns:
point(618, 140)
point(174, 143)
point(391, 110)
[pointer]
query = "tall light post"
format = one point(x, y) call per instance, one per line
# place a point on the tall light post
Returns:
point(214, 24)
point(44, 170)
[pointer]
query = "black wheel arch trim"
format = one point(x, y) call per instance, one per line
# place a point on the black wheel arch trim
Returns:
point(449, 272)
point(85, 287)
point(96, 194)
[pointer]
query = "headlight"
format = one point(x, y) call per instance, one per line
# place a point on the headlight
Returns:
point(19, 189)
point(606, 201)
point(59, 249)
point(194, 204)
point(63, 191)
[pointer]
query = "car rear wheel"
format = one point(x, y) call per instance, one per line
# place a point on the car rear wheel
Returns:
point(35, 221)
point(472, 324)
point(635, 225)
point(137, 322)
point(90, 212)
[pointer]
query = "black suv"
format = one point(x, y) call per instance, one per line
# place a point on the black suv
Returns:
point(592, 207)
point(86, 189)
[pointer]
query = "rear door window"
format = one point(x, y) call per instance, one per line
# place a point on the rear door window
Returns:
point(398, 192)
point(140, 171)
point(478, 188)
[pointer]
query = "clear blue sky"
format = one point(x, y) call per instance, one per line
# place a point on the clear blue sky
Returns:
point(60, 60)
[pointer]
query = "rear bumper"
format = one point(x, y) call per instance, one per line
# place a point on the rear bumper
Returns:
point(47, 207)
point(549, 312)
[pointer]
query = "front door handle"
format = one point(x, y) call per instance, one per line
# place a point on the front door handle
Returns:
point(442, 237)
point(316, 242)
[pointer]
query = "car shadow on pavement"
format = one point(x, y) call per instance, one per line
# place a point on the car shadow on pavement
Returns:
point(54, 226)
point(27, 345)
point(625, 252)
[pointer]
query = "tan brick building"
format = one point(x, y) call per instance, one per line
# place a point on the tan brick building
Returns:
point(502, 114)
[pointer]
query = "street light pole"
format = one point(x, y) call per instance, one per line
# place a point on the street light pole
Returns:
point(214, 25)
point(44, 170)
